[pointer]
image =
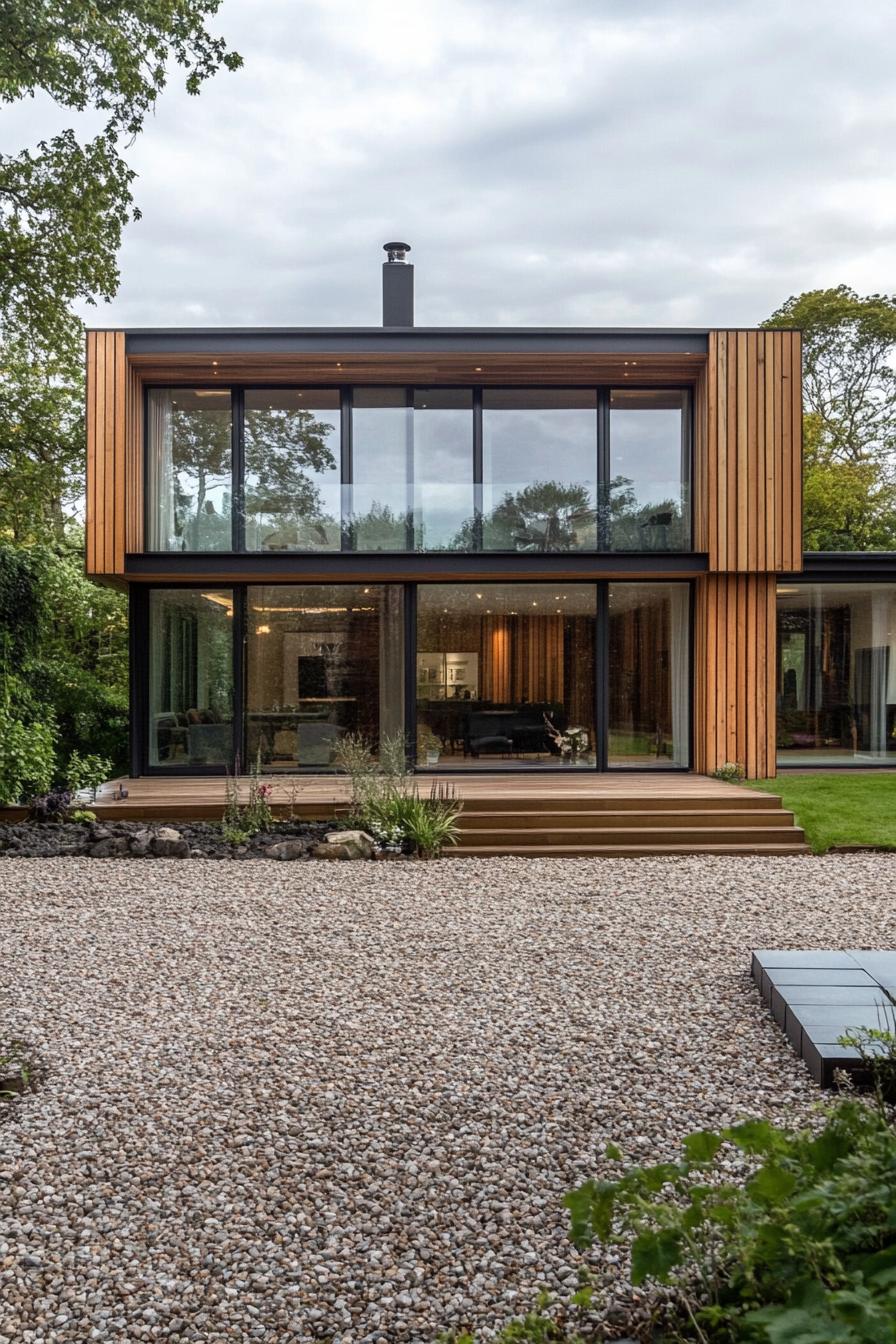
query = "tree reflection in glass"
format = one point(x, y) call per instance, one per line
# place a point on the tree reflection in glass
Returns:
point(292, 470)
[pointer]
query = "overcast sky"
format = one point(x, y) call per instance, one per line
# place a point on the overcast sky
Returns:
point(556, 162)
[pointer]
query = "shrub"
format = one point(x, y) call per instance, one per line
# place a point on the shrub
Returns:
point(241, 821)
point(27, 755)
point(803, 1253)
point(876, 1047)
point(386, 802)
point(730, 772)
point(87, 772)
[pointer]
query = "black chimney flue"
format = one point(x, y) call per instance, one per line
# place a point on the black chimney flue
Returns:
point(398, 286)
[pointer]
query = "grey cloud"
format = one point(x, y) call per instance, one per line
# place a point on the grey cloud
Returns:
point(577, 162)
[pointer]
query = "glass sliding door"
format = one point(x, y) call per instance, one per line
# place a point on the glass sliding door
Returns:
point(190, 678)
point(649, 675)
point(836, 698)
point(505, 676)
point(322, 661)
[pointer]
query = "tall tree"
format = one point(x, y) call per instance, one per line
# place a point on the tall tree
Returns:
point(64, 203)
point(849, 408)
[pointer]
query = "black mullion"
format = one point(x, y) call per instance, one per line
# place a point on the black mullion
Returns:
point(346, 470)
point(239, 653)
point(477, 469)
point(238, 465)
point(138, 641)
point(409, 470)
point(410, 671)
point(602, 678)
point(603, 469)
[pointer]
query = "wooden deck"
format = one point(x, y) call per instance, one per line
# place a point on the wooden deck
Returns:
point(563, 814)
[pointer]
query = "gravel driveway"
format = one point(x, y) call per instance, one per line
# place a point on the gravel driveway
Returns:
point(313, 1101)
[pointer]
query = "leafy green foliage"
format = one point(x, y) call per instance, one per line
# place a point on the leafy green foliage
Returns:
point(64, 203)
point(41, 440)
point(804, 1252)
point(87, 772)
point(63, 669)
point(849, 422)
point(27, 754)
point(876, 1047)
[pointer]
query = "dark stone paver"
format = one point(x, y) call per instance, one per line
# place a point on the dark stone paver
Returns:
point(816, 997)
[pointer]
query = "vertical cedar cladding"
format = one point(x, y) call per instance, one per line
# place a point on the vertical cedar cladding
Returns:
point(734, 669)
point(114, 488)
point(748, 470)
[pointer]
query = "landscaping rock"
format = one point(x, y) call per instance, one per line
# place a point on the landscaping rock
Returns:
point(30, 839)
point(170, 845)
point(113, 848)
point(350, 837)
point(337, 848)
point(286, 850)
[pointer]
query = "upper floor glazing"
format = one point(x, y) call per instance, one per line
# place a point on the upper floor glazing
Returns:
point(464, 469)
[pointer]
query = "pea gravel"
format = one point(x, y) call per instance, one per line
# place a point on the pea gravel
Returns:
point(294, 1102)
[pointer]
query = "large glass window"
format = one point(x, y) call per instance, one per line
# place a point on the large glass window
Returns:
point(189, 470)
point(649, 675)
point(412, 461)
point(539, 473)
point(292, 439)
point(505, 675)
point(190, 677)
point(558, 473)
point(836, 697)
point(382, 458)
point(649, 496)
point(443, 470)
point(322, 661)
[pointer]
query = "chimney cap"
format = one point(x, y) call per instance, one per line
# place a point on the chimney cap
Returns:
point(396, 251)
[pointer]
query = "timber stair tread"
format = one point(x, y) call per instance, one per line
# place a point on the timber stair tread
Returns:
point(623, 851)
point(480, 818)
point(548, 835)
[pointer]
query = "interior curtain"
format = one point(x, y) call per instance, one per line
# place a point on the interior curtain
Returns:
point(679, 670)
point(160, 473)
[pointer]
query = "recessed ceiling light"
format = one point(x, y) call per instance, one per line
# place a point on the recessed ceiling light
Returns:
point(478, 368)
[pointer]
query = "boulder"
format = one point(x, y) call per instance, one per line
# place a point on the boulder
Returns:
point(286, 850)
point(343, 849)
point(164, 847)
point(350, 837)
point(115, 847)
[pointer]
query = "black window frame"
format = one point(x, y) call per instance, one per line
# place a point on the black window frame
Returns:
point(140, 666)
point(346, 458)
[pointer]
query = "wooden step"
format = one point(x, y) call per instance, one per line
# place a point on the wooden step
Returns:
point(740, 800)
point(632, 851)
point(694, 836)
point(477, 819)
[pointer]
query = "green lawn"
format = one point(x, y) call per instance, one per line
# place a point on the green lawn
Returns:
point(839, 809)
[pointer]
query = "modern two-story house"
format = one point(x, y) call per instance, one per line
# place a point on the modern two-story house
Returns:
point(525, 550)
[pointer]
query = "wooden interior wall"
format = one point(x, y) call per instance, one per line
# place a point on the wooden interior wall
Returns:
point(106, 485)
point(734, 673)
point(748, 475)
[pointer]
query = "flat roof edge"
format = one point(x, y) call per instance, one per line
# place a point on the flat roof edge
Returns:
point(414, 339)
